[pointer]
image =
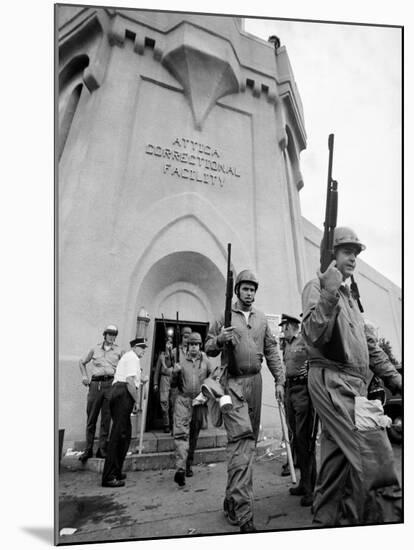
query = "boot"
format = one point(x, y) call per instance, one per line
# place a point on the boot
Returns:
point(297, 491)
point(248, 527)
point(179, 477)
point(189, 471)
point(285, 470)
point(306, 500)
point(87, 453)
point(228, 509)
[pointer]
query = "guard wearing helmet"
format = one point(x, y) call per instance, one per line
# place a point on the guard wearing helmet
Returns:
point(251, 340)
point(162, 381)
point(190, 409)
point(357, 481)
point(103, 359)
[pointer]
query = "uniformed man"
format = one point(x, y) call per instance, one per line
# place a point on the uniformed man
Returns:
point(104, 359)
point(190, 408)
point(250, 338)
point(357, 481)
point(182, 350)
point(162, 381)
point(299, 409)
point(124, 401)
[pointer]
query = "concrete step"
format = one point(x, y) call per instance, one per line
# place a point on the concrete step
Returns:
point(159, 442)
point(158, 460)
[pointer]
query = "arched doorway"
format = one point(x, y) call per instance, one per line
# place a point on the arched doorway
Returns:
point(183, 283)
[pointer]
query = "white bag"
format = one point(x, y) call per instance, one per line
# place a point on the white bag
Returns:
point(370, 414)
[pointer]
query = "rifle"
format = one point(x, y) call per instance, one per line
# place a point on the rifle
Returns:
point(334, 349)
point(229, 289)
point(228, 346)
point(331, 213)
point(285, 436)
point(166, 335)
point(177, 354)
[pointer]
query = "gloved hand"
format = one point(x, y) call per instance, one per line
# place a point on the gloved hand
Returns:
point(331, 279)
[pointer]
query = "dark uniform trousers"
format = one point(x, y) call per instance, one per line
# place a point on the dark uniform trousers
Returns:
point(99, 396)
point(300, 415)
point(121, 406)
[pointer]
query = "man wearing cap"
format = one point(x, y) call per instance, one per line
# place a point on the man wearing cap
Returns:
point(243, 346)
point(299, 410)
point(190, 409)
point(124, 401)
point(103, 359)
point(357, 481)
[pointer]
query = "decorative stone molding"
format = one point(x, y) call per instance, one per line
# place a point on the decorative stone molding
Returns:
point(204, 64)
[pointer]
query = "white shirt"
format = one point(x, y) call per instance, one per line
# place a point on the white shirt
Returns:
point(247, 315)
point(129, 365)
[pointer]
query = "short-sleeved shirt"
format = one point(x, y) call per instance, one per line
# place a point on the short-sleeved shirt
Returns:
point(103, 361)
point(129, 365)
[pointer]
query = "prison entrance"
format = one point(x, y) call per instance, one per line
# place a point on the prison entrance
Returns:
point(162, 327)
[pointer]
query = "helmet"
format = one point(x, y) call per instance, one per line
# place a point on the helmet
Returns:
point(195, 338)
point(110, 329)
point(246, 276)
point(345, 235)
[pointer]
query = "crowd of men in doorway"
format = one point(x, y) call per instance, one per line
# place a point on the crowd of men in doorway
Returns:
point(329, 357)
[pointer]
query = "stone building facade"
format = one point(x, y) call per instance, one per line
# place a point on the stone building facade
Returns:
point(176, 134)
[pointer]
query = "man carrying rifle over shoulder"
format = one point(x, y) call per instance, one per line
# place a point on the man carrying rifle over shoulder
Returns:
point(357, 481)
point(242, 346)
point(299, 410)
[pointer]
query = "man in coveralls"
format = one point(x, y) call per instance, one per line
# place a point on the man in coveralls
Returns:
point(357, 481)
point(299, 409)
point(162, 381)
point(104, 358)
point(190, 408)
point(251, 339)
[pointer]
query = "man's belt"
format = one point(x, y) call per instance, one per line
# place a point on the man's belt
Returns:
point(296, 380)
point(103, 378)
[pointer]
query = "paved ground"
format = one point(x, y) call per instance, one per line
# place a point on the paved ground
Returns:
point(151, 505)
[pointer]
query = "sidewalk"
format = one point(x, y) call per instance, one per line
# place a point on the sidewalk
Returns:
point(152, 506)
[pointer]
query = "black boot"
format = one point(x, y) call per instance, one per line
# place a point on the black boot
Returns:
point(229, 513)
point(297, 491)
point(248, 527)
point(85, 455)
point(189, 471)
point(179, 477)
point(306, 500)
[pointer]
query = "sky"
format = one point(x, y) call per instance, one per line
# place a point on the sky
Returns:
point(349, 78)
